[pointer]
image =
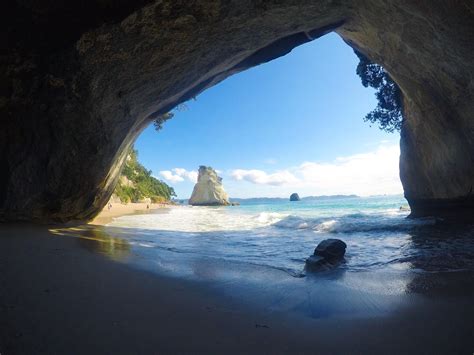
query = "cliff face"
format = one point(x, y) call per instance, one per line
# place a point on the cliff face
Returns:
point(430, 63)
point(80, 82)
point(208, 190)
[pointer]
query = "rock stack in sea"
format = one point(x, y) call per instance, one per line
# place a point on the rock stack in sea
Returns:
point(294, 197)
point(208, 190)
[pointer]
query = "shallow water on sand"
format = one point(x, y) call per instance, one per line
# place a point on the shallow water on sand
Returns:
point(281, 234)
point(255, 253)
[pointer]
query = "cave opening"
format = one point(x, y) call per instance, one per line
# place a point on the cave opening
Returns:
point(82, 99)
point(294, 123)
point(79, 83)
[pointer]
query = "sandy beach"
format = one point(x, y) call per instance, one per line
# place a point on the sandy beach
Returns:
point(121, 209)
point(68, 291)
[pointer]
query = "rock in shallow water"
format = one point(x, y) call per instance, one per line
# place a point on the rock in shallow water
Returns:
point(316, 263)
point(327, 255)
point(331, 249)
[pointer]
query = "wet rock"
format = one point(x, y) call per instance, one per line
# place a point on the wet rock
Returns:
point(327, 255)
point(331, 249)
point(315, 262)
point(294, 197)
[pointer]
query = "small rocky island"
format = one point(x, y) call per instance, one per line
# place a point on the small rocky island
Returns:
point(208, 190)
point(294, 197)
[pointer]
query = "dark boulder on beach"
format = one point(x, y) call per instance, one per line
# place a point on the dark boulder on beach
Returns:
point(294, 197)
point(317, 263)
point(327, 255)
point(331, 249)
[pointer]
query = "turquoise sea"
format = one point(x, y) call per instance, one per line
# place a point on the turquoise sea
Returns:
point(280, 234)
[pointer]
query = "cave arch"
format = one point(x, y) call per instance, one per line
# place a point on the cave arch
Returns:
point(78, 89)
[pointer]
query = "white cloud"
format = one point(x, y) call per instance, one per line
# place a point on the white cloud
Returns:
point(363, 174)
point(168, 175)
point(260, 177)
point(179, 174)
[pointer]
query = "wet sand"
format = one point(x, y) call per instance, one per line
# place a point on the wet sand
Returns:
point(68, 295)
point(119, 209)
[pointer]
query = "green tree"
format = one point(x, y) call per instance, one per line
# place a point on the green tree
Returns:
point(143, 184)
point(389, 112)
point(159, 120)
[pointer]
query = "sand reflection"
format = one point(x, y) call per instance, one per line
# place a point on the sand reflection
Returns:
point(96, 240)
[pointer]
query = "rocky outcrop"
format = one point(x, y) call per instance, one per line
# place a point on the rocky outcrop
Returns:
point(80, 82)
point(294, 197)
point(208, 190)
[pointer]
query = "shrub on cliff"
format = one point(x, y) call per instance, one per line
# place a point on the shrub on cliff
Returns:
point(142, 185)
point(159, 120)
point(388, 113)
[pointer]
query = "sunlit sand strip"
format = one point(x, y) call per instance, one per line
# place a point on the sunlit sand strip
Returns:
point(118, 209)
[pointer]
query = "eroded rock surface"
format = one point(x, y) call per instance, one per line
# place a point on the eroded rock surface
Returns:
point(79, 82)
point(208, 190)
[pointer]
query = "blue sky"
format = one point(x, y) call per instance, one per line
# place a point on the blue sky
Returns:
point(294, 124)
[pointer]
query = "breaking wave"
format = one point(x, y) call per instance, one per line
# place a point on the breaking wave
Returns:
point(282, 235)
point(355, 223)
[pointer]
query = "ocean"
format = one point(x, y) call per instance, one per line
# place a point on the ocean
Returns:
point(279, 234)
